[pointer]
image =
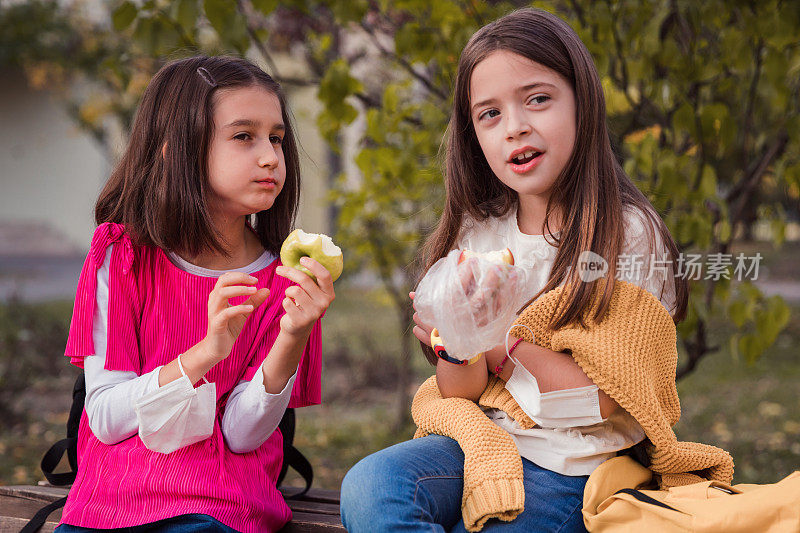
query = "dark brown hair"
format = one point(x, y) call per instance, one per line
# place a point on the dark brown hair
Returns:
point(592, 189)
point(160, 194)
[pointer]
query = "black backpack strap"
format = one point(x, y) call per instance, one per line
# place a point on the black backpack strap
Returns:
point(53, 456)
point(41, 515)
point(642, 497)
point(638, 452)
point(292, 456)
point(70, 444)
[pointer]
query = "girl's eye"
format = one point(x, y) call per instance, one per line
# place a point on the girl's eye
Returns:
point(275, 139)
point(242, 137)
point(539, 99)
point(491, 113)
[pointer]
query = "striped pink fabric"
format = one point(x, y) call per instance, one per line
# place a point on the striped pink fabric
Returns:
point(155, 312)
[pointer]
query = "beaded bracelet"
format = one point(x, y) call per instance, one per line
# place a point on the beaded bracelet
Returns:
point(438, 349)
point(499, 368)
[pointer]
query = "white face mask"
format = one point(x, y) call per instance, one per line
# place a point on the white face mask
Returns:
point(523, 383)
point(177, 414)
point(558, 409)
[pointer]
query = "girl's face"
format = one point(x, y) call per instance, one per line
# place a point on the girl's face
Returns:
point(524, 117)
point(245, 161)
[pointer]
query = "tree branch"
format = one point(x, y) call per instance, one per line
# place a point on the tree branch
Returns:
point(738, 195)
point(695, 349)
point(436, 91)
point(751, 99)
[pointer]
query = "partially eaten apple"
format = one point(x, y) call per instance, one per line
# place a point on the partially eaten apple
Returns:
point(317, 246)
point(495, 256)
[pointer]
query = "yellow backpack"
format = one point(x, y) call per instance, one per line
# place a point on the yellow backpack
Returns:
point(614, 502)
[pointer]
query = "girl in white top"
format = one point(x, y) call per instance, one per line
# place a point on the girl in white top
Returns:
point(573, 436)
point(529, 166)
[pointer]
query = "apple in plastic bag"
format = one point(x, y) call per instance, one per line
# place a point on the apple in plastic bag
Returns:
point(495, 256)
point(485, 296)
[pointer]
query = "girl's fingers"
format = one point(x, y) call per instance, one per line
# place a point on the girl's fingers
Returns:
point(218, 299)
point(230, 285)
point(422, 335)
point(324, 280)
point(258, 298)
point(300, 297)
point(222, 318)
point(235, 278)
point(292, 310)
point(421, 324)
point(466, 276)
point(232, 291)
point(302, 279)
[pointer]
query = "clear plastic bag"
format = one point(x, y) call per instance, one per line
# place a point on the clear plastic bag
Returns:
point(472, 304)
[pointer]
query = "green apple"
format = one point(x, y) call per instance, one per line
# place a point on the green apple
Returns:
point(317, 246)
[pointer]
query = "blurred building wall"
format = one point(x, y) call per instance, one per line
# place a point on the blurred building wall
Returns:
point(50, 171)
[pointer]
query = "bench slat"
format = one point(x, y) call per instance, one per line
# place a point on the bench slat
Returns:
point(40, 493)
point(10, 524)
point(314, 507)
point(314, 495)
point(307, 522)
point(317, 511)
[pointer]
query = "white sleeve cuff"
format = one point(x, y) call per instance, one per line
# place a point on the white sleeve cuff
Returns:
point(176, 415)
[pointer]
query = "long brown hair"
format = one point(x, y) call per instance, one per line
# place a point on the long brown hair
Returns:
point(592, 190)
point(160, 194)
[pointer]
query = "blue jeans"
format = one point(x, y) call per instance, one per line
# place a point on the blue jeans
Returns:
point(187, 523)
point(417, 485)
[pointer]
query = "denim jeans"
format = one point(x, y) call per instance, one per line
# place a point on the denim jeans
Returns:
point(187, 523)
point(417, 485)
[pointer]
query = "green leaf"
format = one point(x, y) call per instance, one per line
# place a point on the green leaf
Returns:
point(265, 6)
point(739, 312)
point(683, 120)
point(146, 34)
point(712, 118)
point(750, 347)
point(723, 231)
point(708, 182)
point(186, 13)
point(336, 85)
point(124, 15)
point(350, 11)
point(229, 24)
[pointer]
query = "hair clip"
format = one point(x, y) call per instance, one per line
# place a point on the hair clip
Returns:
point(206, 75)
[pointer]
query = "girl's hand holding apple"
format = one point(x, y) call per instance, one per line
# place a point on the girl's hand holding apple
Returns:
point(225, 322)
point(307, 301)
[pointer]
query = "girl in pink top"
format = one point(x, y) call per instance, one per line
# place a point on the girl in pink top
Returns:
point(194, 339)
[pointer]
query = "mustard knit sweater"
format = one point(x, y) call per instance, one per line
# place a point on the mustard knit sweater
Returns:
point(631, 355)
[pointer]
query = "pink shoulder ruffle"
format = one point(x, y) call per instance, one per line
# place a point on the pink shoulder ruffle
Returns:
point(79, 341)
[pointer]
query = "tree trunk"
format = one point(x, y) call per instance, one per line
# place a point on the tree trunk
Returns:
point(403, 413)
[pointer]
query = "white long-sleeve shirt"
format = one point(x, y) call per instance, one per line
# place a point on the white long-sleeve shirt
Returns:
point(251, 414)
point(572, 438)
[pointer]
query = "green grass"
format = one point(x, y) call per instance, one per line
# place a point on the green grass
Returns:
point(750, 410)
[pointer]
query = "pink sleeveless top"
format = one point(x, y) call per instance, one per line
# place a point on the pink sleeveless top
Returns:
point(155, 312)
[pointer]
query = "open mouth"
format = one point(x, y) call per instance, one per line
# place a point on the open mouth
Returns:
point(525, 157)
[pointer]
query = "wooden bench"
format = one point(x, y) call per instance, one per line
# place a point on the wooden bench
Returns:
point(316, 511)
